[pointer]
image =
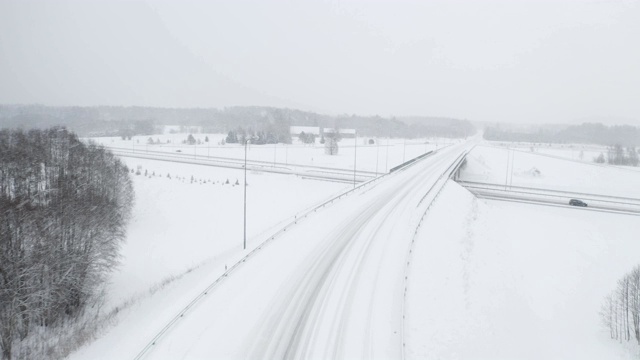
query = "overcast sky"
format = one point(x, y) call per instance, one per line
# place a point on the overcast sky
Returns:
point(514, 61)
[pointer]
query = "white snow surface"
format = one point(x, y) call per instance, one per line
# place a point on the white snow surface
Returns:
point(499, 280)
point(516, 168)
point(179, 224)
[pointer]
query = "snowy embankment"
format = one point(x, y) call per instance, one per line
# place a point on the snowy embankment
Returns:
point(180, 225)
point(515, 168)
point(499, 280)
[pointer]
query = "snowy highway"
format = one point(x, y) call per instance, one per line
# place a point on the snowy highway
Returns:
point(330, 286)
point(554, 198)
point(306, 171)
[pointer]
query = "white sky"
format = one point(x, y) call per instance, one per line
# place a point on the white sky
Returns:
point(515, 61)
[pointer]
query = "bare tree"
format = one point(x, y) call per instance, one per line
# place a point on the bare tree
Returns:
point(64, 207)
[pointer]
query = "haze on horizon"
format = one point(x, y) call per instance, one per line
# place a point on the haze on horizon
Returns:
point(509, 61)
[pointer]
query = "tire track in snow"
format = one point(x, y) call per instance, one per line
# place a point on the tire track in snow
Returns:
point(295, 322)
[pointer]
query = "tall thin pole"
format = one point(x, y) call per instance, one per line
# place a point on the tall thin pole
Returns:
point(386, 163)
point(513, 154)
point(244, 244)
point(506, 172)
point(404, 149)
point(355, 157)
point(377, 154)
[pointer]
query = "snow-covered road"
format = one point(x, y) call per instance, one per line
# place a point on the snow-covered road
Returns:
point(329, 287)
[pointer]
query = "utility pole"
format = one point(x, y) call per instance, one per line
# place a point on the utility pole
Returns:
point(244, 244)
point(377, 154)
point(506, 172)
point(513, 154)
point(386, 163)
point(404, 149)
point(355, 157)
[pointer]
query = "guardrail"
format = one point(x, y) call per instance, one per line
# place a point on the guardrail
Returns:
point(550, 192)
point(556, 199)
point(410, 161)
point(449, 172)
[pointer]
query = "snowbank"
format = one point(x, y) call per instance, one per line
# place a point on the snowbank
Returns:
point(516, 168)
point(499, 280)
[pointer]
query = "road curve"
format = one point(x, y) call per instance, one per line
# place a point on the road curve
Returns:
point(331, 287)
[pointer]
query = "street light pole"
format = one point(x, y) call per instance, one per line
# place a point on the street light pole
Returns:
point(244, 244)
point(386, 161)
point(377, 154)
point(404, 149)
point(355, 157)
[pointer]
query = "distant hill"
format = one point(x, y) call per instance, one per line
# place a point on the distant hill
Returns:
point(138, 120)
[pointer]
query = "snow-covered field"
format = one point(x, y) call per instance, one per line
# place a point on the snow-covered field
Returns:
point(503, 166)
point(179, 224)
point(500, 280)
point(576, 152)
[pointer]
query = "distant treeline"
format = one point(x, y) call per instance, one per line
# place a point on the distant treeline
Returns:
point(587, 133)
point(128, 121)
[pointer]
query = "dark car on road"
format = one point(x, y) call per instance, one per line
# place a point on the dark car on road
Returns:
point(576, 202)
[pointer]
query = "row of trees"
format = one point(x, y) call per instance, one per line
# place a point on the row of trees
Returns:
point(621, 309)
point(64, 206)
point(587, 133)
point(261, 137)
point(617, 155)
point(136, 120)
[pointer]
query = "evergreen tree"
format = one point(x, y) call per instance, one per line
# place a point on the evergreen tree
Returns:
point(232, 137)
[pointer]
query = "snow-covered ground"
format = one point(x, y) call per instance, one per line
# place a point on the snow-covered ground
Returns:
point(503, 166)
point(499, 280)
point(576, 152)
point(179, 224)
